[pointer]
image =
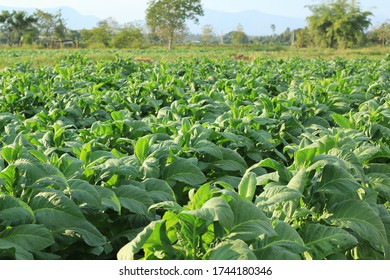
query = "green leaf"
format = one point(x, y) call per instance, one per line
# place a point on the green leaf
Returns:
point(247, 186)
point(285, 245)
point(274, 195)
point(172, 206)
point(195, 224)
point(303, 157)
point(10, 154)
point(10, 250)
point(358, 216)
point(184, 171)
point(109, 199)
point(14, 211)
point(69, 166)
point(338, 183)
point(232, 250)
point(232, 161)
point(39, 155)
point(60, 214)
point(30, 237)
point(10, 176)
point(284, 174)
point(342, 121)
point(129, 251)
point(84, 193)
point(229, 165)
point(203, 194)
point(298, 182)
point(159, 190)
point(158, 246)
point(249, 221)
point(324, 240)
point(134, 199)
point(209, 148)
point(220, 210)
point(142, 148)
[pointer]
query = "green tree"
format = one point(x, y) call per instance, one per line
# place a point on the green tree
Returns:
point(52, 27)
point(338, 24)
point(239, 36)
point(167, 18)
point(102, 35)
point(208, 34)
point(130, 36)
point(382, 33)
point(16, 24)
point(303, 38)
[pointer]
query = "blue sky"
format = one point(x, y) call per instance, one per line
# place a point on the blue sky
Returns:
point(129, 10)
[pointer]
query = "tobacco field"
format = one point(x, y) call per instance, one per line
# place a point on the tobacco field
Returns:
point(195, 159)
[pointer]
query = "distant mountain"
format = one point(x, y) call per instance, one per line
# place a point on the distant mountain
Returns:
point(74, 19)
point(254, 22)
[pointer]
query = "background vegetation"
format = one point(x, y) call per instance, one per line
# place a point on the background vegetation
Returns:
point(337, 24)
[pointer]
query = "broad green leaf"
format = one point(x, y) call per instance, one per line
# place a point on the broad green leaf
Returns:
point(232, 250)
point(39, 155)
point(274, 195)
point(209, 148)
point(367, 154)
point(285, 245)
point(283, 172)
point(84, 193)
point(342, 121)
point(229, 165)
point(10, 154)
point(247, 186)
point(9, 250)
point(14, 211)
point(298, 182)
point(194, 224)
point(60, 214)
point(88, 232)
point(172, 206)
point(303, 157)
point(184, 171)
point(249, 221)
point(134, 199)
point(69, 166)
point(325, 240)
point(129, 251)
point(109, 198)
point(338, 183)
point(350, 160)
point(221, 211)
point(385, 217)
point(35, 170)
point(142, 148)
point(30, 237)
point(200, 196)
point(10, 176)
point(158, 246)
point(232, 161)
point(150, 168)
point(359, 217)
point(159, 190)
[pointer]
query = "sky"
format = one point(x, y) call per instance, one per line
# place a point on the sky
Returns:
point(131, 10)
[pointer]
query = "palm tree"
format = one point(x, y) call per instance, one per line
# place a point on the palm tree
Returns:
point(6, 26)
point(22, 24)
point(15, 24)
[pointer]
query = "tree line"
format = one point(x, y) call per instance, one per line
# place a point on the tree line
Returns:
point(335, 24)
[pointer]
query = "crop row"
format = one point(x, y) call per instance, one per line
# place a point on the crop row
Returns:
point(195, 159)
